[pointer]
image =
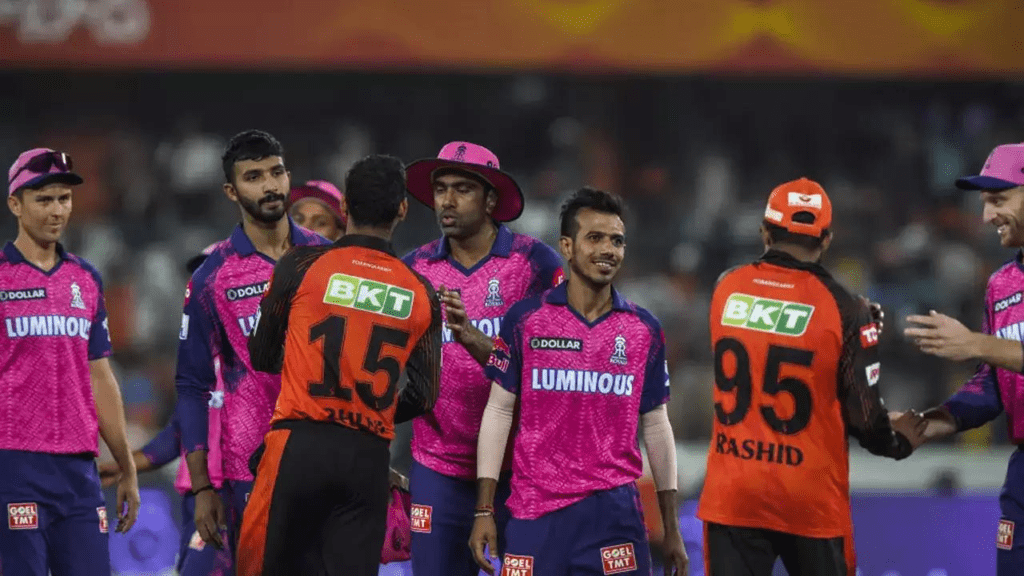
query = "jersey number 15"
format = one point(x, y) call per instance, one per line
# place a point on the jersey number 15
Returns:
point(332, 331)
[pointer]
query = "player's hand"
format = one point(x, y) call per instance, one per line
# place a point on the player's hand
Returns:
point(877, 314)
point(210, 517)
point(396, 480)
point(110, 473)
point(942, 336)
point(911, 425)
point(456, 317)
point(676, 560)
point(128, 501)
point(485, 534)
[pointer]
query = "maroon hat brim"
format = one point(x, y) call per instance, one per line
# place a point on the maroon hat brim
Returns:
point(419, 182)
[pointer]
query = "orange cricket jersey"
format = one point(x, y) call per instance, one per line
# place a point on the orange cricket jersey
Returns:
point(352, 316)
point(792, 352)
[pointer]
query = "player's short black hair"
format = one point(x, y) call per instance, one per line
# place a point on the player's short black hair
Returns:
point(779, 234)
point(249, 145)
point(592, 198)
point(374, 190)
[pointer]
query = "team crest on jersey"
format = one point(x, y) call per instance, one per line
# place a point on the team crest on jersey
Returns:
point(494, 293)
point(101, 513)
point(1004, 537)
point(618, 559)
point(517, 565)
point(23, 516)
point(619, 354)
point(76, 296)
point(420, 518)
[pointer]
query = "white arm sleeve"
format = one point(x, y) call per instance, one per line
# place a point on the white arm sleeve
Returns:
point(661, 448)
point(494, 429)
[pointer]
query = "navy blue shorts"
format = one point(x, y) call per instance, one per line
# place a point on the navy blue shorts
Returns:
point(1010, 546)
point(442, 519)
point(56, 516)
point(602, 534)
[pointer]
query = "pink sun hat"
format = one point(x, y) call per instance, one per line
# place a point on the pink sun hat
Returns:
point(476, 160)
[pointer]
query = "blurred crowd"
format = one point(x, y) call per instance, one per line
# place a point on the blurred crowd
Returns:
point(695, 159)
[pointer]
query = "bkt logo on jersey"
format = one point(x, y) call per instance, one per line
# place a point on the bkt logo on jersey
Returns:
point(50, 325)
point(369, 295)
point(243, 292)
point(767, 315)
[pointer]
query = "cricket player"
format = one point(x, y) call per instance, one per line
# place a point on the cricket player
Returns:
point(340, 323)
point(57, 387)
point(490, 268)
point(588, 369)
point(220, 311)
point(796, 370)
point(316, 206)
point(997, 385)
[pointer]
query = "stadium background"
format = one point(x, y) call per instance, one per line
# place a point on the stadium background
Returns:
point(691, 109)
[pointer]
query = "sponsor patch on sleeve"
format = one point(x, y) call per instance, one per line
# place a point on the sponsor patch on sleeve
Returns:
point(873, 371)
point(23, 516)
point(869, 335)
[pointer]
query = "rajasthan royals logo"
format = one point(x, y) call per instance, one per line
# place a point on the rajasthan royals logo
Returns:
point(494, 294)
point(76, 297)
point(460, 153)
point(619, 355)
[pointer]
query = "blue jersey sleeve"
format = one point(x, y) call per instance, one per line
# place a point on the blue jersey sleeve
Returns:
point(195, 376)
point(505, 364)
point(656, 379)
point(547, 269)
point(99, 332)
point(977, 402)
point(165, 446)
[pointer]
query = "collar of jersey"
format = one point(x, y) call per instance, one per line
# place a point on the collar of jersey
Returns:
point(502, 246)
point(559, 296)
point(14, 256)
point(780, 258)
point(243, 245)
point(363, 241)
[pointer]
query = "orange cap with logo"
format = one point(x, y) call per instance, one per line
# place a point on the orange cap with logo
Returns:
point(792, 198)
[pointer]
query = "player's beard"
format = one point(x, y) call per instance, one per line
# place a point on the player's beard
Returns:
point(255, 208)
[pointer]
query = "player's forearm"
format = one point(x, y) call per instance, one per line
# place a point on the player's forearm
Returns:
point(485, 490)
point(198, 472)
point(113, 426)
point(477, 344)
point(941, 424)
point(661, 448)
point(669, 510)
point(999, 352)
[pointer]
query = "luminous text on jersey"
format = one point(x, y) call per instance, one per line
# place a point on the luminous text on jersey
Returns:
point(587, 381)
point(369, 295)
point(49, 325)
point(767, 315)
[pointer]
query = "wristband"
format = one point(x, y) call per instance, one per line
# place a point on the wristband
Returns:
point(203, 489)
